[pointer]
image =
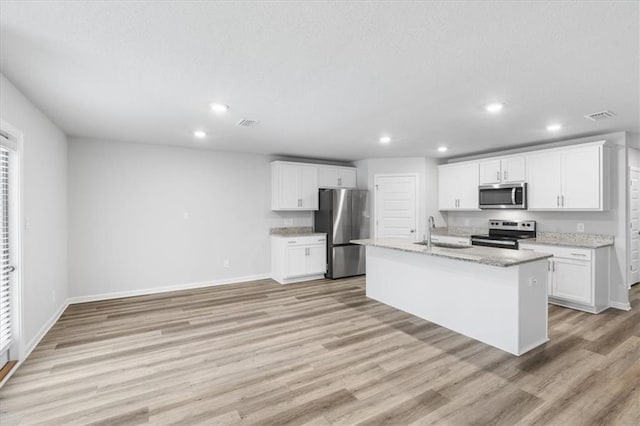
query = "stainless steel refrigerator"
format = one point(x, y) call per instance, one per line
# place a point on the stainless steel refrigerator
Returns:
point(344, 215)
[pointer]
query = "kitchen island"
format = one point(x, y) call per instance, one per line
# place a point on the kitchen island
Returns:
point(496, 296)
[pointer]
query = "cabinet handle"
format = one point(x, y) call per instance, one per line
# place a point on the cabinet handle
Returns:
point(558, 201)
point(579, 254)
point(506, 175)
point(549, 266)
point(562, 199)
point(553, 266)
point(299, 202)
point(292, 242)
point(339, 181)
point(498, 176)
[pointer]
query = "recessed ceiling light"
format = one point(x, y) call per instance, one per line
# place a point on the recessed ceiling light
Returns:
point(442, 149)
point(385, 139)
point(219, 108)
point(494, 107)
point(554, 127)
point(200, 134)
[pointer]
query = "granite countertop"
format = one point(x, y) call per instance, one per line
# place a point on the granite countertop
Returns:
point(477, 254)
point(458, 231)
point(295, 232)
point(575, 240)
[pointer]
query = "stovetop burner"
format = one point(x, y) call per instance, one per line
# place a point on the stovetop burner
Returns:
point(505, 233)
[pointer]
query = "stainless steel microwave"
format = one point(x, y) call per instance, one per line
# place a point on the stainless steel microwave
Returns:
point(503, 196)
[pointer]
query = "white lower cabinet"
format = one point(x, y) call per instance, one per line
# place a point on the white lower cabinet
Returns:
point(571, 280)
point(579, 278)
point(295, 259)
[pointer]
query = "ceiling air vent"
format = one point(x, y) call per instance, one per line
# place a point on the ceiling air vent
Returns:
point(245, 122)
point(602, 115)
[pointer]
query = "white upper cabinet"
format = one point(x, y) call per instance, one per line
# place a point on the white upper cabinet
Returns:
point(569, 178)
point(582, 178)
point(458, 186)
point(513, 169)
point(505, 170)
point(336, 177)
point(544, 175)
point(294, 186)
point(490, 172)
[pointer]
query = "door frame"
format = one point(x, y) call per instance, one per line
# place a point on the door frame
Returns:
point(627, 228)
point(17, 309)
point(376, 177)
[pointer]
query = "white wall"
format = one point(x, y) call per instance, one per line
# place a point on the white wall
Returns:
point(611, 222)
point(126, 215)
point(44, 186)
point(427, 171)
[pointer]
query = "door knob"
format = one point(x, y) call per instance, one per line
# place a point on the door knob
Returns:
point(412, 230)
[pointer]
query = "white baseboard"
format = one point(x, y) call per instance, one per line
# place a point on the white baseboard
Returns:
point(622, 306)
point(24, 353)
point(154, 290)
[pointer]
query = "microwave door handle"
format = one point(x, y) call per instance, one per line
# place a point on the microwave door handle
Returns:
point(513, 196)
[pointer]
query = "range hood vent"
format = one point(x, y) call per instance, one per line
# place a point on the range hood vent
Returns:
point(245, 122)
point(601, 115)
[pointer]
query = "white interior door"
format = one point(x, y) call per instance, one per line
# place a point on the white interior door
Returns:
point(396, 206)
point(634, 225)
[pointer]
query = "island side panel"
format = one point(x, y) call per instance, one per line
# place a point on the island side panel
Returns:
point(533, 305)
point(479, 301)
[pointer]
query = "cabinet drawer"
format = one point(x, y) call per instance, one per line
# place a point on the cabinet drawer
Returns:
point(463, 241)
point(564, 252)
point(305, 241)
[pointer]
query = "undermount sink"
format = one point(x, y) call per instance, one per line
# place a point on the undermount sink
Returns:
point(444, 245)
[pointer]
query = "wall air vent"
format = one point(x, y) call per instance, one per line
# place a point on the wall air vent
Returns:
point(245, 122)
point(602, 115)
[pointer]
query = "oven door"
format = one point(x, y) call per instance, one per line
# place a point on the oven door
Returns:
point(487, 242)
point(509, 196)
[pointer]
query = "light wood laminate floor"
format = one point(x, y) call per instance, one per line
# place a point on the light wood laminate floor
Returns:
point(316, 353)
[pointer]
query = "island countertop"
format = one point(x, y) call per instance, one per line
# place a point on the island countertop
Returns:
point(476, 254)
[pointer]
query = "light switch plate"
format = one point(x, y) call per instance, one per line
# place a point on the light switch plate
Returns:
point(580, 227)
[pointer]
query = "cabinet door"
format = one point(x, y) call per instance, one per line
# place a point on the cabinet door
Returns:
point(490, 172)
point(316, 262)
point(513, 169)
point(581, 178)
point(327, 177)
point(572, 280)
point(544, 175)
point(290, 186)
point(447, 194)
point(296, 261)
point(309, 187)
point(466, 182)
point(347, 178)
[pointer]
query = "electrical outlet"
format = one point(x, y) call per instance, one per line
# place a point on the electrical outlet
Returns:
point(226, 263)
point(533, 281)
point(580, 227)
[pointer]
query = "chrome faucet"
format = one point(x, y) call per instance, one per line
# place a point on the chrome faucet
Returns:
point(431, 223)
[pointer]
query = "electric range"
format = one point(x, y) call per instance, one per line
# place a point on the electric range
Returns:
point(505, 233)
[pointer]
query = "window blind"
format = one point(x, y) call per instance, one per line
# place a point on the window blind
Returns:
point(5, 266)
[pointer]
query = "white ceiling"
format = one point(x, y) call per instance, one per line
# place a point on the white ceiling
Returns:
point(326, 79)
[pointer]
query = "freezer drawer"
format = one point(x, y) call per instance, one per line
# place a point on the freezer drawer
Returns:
point(346, 261)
